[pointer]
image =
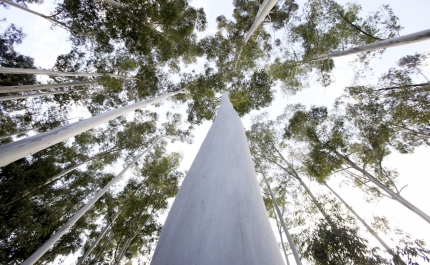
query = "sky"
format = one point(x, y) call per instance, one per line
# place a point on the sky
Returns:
point(45, 44)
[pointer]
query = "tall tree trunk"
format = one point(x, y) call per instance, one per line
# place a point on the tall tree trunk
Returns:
point(66, 227)
point(403, 40)
point(9, 70)
point(281, 219)
point(94, 244)
point(373, 232)
point(218, 215)
point(114, 3)
point(19, 149)
point(394, 195)
point(11, 89)
point(35, 95)
point(282, 240)
point(59, 175)
point(263, 11)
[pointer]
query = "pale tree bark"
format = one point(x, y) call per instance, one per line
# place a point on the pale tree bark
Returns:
point(114, 3)
point(128, 241)
point(100, 236)
point(263, 11)
point(35, 95)
point(218, 215)
point(282, 240)
point(66, 227)
point(281, 219)
point(58, 176)
point(11, 89)
point(394, 195)
point(19, 149)
point(403, 40)
point(9, 70)
point(373, 232)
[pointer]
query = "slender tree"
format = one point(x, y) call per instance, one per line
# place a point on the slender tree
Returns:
point(36, 143)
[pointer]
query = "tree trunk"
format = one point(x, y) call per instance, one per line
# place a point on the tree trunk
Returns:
point(218, 215)
point(66, 227)
point(19, 149)
point(35, 95)
point(281, 219)
point(373, 232)
point(282, 240)
point(403, 40)
point(94, 244)
point(114, 3)
point(263, 11)
point(11, 89)
point(9, 70)
point(392, 194)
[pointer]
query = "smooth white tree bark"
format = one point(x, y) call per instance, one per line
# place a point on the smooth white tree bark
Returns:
point(9, 70)
point(101, 235)
point(218, 216)
point(262, 13)
point(35, 95)
point(19, 149)
point(66, 227)
point(403, 40)
point(114, 3)
point(281, 219)
point(10, 89)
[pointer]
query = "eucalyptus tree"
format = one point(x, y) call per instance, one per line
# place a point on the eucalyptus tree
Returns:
point(325, 27)
point(139, 203)
point(332, 144)
point(26, 224)
point(165, 29)
point(18, 150)
point(398, 105)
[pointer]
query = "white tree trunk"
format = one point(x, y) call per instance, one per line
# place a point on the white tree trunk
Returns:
point(10, 89)
point(403, 40)
point(281, 219)
point(101, 235)
point(262, 13)
point(35, 95)
point(9, 70)
point(218, 216)
point(114, 3)
point(282, 241)
point(19, 149)
point(66, 227)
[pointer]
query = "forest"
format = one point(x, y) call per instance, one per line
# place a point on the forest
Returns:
point(89, 159)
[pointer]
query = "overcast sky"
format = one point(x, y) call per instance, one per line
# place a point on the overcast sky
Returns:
point(45, 44)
